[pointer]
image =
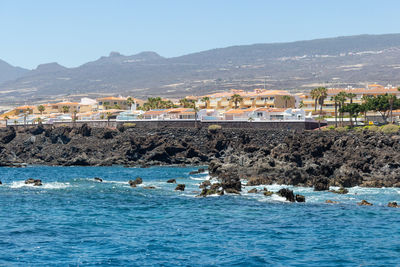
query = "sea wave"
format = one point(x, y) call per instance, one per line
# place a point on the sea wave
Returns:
point(51, 185)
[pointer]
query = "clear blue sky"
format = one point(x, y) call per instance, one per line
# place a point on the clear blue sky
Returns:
point(72, 32)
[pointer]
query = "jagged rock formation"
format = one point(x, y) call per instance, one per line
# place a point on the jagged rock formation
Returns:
point(236, 156)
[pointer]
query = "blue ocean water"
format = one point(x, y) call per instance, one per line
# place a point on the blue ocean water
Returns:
point(74, 220)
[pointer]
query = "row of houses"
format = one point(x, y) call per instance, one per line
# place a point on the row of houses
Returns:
point(232, 105)
point(253, 114)
point(328, 108)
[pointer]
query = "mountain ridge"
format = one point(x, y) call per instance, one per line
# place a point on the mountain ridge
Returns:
point(345, 60)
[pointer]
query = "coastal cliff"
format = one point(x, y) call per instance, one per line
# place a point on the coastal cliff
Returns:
point(236, 156)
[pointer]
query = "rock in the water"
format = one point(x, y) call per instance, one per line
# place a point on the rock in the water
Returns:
point(180, 187)
point(35, 182)
point(1, 182)
point(215, 189)
point(331, 201)
point(287, 193)
point(253, 191)
point(98, 179)
point(321, 184)
point(135, 182)
point(393, 204)
point(341, 190)
point(232, 191)
point(149, 187)
point(200, 170)
point(205, 184)
point(267, 193)
point(171, 181)
point(364, 203)
point(300, 198)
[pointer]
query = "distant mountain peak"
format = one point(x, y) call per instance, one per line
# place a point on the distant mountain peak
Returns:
point(115, 54)
point(50, 67)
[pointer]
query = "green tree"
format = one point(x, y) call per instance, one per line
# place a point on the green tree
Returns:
point(342, 97)
point(353, 109)
point(205, 100)
point(301, 104)
point(108, 115)
point(392, 99)
point(351, 96)
point(382, 104)
point(130, 101)
point(236, 98)
point(186, 103)
point(336, 100)
point(6, 118)
point(314, 95)
point(65, 109)
point(321, 95)
point(41, 109)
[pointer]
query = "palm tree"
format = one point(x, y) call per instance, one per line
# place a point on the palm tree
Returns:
point(74, 119)
point(322, 94)
point(65, 109)
point(351, 96)
point(6, 118)
point(108, 114)
point(364, 106)
point(342, 99)
point(25, 115)
point(205, 100)
point(195, 114)
point(391, 99)
point(286, 98)
point(130, 102)
point(336, 99)
point(41, 108)
point(314, 95)
point(301, 104)
point(38, 120)
point(236, 98)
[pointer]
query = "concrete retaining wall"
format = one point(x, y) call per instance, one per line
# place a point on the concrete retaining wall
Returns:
point(284, 125)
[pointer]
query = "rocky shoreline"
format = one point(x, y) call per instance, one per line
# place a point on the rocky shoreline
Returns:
point(237, 157)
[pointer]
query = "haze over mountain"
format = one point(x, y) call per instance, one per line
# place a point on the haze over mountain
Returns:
point(341, 61)
point(8, 72)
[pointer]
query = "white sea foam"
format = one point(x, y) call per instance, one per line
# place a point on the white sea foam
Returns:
point(51, 185)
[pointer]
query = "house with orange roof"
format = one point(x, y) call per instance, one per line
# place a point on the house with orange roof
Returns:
point(23, 110)
point(155, 114)
point(250, 99)
point(328, 108)
point(118, 102)
point(238, 114)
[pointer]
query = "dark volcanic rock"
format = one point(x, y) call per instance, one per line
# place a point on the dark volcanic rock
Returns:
point(253, 191)
point(98, 179)
point(321, 184)
point(35, 182)
point(135, 182)
point(364, 203)
point(300, 198)
point(310, 158)
point(287, 193)
point(180, 187)
point(171, 181)
point(393, 205)
point(341, 190)
point(205, 184)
